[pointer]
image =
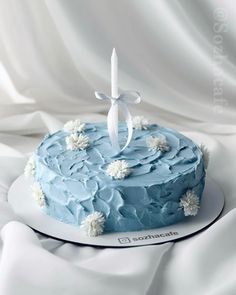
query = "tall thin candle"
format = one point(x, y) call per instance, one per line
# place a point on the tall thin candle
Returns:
point(122, 100)
point(114, 74)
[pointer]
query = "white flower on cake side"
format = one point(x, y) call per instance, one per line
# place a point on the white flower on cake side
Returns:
point(155, 143)
point(93, 224)
point(38, 194)
point(206, 155)
point(29, 170)
point(74, 126)
point(118, 169)
point(140, 123)
point(75, 141)
point(189, 202)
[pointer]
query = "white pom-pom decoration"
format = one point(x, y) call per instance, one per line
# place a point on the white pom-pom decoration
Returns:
point(189, 202)
point(206, 155)
point(118, 169)
point(74, 126)
point(29, 170)
point(140, 123)
point(75, 141)
point(155, 143)
point(38, 194)
point(93, 224)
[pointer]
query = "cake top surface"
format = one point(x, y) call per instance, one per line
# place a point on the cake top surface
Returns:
point(148, 166)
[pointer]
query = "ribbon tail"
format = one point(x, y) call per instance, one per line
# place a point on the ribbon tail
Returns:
point(127, 97)
point(128, 119)
point(112, 127)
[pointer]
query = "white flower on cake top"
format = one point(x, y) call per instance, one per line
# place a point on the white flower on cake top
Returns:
point(206, 155)
point(190, 203)
point(140, 123)
point(74, 126)
point(75, 141)
point(30, 167)
point(38, 194)
point(118, 169)
point(155, 143)
point(93, 224)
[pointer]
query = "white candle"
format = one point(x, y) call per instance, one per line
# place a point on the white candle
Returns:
point(114, 74)
point(126, 98)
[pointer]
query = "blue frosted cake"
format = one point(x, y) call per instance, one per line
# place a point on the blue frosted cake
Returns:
point(156, 181)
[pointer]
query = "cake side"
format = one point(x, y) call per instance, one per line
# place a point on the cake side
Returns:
point(75, 182)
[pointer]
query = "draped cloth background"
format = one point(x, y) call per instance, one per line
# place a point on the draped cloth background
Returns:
point(180, 54)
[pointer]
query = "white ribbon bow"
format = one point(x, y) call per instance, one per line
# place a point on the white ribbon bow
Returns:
point(127, 97)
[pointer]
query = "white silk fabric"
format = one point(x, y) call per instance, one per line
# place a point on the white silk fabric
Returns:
point(180, 55)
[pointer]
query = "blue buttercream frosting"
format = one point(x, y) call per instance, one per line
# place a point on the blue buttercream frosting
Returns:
point(75, 183)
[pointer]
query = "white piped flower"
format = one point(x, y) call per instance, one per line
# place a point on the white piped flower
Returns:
point(206, 155)
point(29, 170)
point(140, 123)
point(155, 143)
point(93, 224)
point(38, 194)
point(190, 203)
point(74, 126)
point(118, 169)
point(75, 141)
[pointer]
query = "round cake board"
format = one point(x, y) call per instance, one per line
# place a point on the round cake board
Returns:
point(24, 205)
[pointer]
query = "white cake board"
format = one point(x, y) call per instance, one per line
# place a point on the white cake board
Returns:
point(19, 196)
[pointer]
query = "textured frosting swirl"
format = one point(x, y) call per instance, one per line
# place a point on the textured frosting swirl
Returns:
point(75, 183)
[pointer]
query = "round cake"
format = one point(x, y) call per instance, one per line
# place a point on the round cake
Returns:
point(156, 181)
